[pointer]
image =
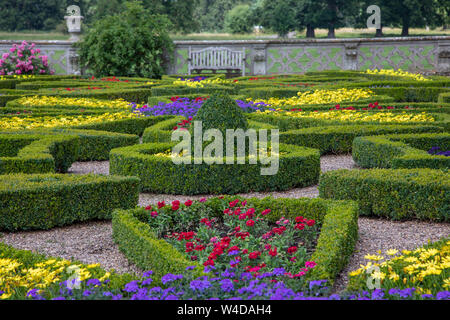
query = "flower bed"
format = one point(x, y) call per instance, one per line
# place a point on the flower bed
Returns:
point(136, 231)
point(188, 107)
point(425, 269)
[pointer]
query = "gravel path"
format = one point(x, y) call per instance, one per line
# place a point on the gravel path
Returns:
point(92, 242)
point(89, 242)
point(380, 234)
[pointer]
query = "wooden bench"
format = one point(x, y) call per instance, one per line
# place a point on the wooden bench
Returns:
point(216, 58)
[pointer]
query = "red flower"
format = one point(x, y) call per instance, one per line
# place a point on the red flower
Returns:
point(311, 222)
point(250, 223)
point(154, 214)
point(292, 250)
point(234, 203)
point(299, 219)
point(245, 251)
point(175, 207)
point(148, 208)
point(254, 255)
point(299, 226)
point(188, 203)
point(161, 204)
point(193, 258)
point(264, 212)
point(273, 252)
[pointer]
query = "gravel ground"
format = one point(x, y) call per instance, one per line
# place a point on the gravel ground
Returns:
point(92, 242)
point(380, 234)
point(89, 242)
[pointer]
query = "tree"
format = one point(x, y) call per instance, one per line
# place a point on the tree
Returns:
point(279, 16)
point(239, 20)
point(211, 13)
point(335, 14)
point(131, 43)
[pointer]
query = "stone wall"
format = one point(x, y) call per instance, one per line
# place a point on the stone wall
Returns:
point(284, 56)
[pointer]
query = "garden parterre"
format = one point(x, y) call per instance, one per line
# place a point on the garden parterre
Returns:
point(296, 102)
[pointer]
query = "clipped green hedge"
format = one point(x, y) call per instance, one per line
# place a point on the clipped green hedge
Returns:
point(444, 97)
point(95, 145)
point(339, 139)
point(162, 131)
point(392, 193)
point(175, 90)
point(138, 95)
point(140, 245)
point(37, 153)
point(412, 94)
point(401, 151)
point(43, 201)
point(298, 167)
point(130, 126)
point(335, 245)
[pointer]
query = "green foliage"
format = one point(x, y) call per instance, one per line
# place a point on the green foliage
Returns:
point(401, 151)
point(131, 43)
point(141, 246)
point(298, 167)
point(238, 19)
point(222, 113)
point(30, 153)
point(43, 201)
point(392, 193)
point(139, 243)
point(339, 139)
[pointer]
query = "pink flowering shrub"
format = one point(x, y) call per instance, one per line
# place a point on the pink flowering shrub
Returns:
point(24, 59)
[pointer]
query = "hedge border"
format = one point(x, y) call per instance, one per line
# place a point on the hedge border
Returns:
point(396, 152)
point(339, 139)
point(298, 167)
point(398, 194)
point(43, 201)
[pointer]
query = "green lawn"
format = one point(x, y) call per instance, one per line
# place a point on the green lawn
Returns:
point(320, 33)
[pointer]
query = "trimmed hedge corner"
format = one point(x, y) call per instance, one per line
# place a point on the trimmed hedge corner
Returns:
point(43, 201)
point(401, 151)
point(392, 193)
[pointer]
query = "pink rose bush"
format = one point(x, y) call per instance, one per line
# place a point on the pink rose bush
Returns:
point(24, 59)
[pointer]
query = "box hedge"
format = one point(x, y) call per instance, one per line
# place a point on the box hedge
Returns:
point(397, 194)
point(401, 151)
point(298, 167)
point(339, 139)
point(43, 201)
point(36, 153)
point(339, 232)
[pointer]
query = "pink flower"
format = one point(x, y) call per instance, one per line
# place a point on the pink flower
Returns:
point(265, 212)
point(154, 214)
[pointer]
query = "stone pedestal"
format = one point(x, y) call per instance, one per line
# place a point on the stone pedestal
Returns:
point(259, 60)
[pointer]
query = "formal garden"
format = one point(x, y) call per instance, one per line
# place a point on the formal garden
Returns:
point(95, 204)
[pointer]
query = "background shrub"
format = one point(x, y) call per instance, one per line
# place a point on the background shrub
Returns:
point(131, 43)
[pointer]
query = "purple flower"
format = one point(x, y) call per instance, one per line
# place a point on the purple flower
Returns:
point(443, 295)
point(171, 277)
point(132, 286)
point(226, 285)
point(93, 282)
point(199, 285)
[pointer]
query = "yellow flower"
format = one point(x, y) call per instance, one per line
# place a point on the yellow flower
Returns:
point(391, 252)
point(373, 257)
